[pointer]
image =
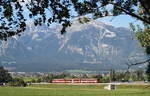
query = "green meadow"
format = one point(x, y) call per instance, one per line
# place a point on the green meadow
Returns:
point(75, 90)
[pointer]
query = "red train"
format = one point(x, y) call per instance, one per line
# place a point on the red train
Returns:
point(75, 80)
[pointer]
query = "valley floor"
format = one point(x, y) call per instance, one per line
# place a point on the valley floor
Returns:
point(76, 90)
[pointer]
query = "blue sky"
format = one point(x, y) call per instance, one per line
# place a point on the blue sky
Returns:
point(117, 21)
point(121, 21)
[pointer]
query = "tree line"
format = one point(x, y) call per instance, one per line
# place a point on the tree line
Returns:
point(112, 76)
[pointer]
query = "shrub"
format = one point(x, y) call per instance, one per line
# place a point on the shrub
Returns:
point(17, 82)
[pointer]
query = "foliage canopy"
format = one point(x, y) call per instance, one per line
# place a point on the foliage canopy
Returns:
point(15, 13)
point(5, 77)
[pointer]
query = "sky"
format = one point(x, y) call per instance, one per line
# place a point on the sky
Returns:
point(121, 21)
point(117, 21)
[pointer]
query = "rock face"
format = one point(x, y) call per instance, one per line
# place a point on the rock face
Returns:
point(91, 46)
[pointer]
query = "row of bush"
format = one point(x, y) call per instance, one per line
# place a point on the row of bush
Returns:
point(7, 80)
point(17, 82)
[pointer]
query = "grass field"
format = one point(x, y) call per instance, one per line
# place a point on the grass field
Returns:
point(75, 90)
point(29, 79)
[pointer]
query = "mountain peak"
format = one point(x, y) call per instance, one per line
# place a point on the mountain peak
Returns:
point(91, 46)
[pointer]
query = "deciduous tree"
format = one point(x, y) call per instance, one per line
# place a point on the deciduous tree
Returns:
point(15, 13)
point(5, 77)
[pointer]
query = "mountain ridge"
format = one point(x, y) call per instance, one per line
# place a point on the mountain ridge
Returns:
point(91, 46)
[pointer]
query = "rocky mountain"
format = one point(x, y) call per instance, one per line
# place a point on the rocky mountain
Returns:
point(95, 45)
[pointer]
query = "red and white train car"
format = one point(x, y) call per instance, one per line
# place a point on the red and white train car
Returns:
point(58, 81)
point(75, 80)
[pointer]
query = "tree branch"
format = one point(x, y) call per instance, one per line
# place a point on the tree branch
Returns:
point(131, 14)
point(143, 3)
point(139, 63)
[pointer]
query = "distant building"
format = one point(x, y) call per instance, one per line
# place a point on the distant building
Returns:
point(76, 80)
